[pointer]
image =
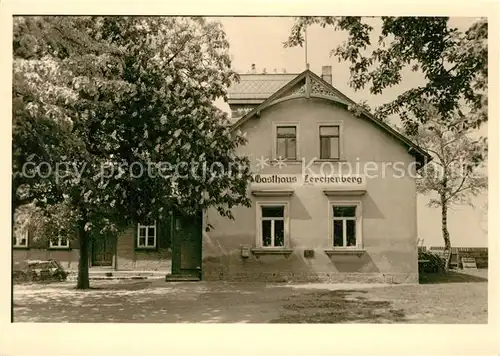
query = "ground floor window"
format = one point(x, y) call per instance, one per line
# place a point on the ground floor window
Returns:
point(346, 224)
point(272, 224)
point(146, 235)
point(59, 242)
point(21, 239)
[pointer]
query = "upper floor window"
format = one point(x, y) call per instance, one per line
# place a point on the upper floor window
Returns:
point(146, 236)
point(329, 139)
point(21, 239)
point(59, 242)
point(286, 142)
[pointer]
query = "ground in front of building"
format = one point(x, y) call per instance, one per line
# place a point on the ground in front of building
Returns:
point(460, 298)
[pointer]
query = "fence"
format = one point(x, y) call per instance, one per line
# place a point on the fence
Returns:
point(480, 254)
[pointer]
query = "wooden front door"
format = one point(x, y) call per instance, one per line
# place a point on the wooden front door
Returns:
point(186, 245)
point(103, 251)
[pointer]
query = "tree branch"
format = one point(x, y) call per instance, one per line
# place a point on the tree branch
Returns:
point(437, 154)
point(463, 189)
point(451, 141)
point(459, 187)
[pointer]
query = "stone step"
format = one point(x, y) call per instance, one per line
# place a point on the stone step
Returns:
point(181, 278)
point(109, 275)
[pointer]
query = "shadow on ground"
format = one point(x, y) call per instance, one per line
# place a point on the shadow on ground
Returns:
point(450, 277)
point(338, 307)
point(155, 301)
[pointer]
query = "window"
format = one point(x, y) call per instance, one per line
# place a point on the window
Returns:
point(272, 225)
point(21, 239)
point(286, 142)
point(59, 242)
point(346, 225)
point(146, 236)
point(329, 142)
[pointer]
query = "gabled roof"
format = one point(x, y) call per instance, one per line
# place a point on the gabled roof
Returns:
point(307, 84)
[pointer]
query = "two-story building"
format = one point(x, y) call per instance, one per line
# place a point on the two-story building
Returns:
point(334, 194)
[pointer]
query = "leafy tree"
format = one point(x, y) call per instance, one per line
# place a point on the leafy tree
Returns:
point(45, 224)
point(438, 114)
point(454, 63)
point(139, 134)
point(40, 123)
point(456, 172)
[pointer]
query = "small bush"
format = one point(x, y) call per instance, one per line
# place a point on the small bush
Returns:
point(434, 264)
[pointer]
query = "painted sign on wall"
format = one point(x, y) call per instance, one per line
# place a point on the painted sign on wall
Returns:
point(300, 180)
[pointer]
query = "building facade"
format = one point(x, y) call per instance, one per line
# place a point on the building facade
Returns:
point(317, 214)
point(142, 248)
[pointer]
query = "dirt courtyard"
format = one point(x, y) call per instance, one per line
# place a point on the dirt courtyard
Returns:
point(459, 298)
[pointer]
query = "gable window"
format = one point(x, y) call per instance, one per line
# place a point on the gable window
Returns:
point(59, 242)
point(146, 236)
point(329, 139)
point(286, 142)
point(272, 225)
point(21, 239)
point(346, 224)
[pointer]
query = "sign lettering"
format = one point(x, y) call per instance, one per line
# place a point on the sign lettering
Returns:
point(348, 181)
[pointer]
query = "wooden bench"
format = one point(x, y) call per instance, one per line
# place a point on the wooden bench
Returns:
point(469, 263)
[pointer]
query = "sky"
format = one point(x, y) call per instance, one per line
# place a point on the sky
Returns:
point(260, 41)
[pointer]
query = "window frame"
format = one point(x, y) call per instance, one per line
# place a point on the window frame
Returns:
point(277, 125)
point(321, 137)
point(259, 243)
point(24, 235)
point(358, 224)
point(58, 245)
point(340, 125)
point(138, 235)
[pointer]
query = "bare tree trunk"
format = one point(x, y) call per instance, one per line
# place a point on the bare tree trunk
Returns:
point(83, 264)
point(446, 234)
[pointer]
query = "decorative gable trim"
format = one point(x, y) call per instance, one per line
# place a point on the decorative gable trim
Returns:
point(316, 87)
point(320, 90)
point(299, 90)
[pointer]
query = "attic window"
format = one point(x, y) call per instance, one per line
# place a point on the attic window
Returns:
point(286, 142)
point(329, 138)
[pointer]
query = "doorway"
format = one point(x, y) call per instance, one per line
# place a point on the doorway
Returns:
point(103, 251)
point(187, 246)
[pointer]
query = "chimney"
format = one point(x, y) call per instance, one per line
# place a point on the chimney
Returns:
point(326, 74)
point(253, 68)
